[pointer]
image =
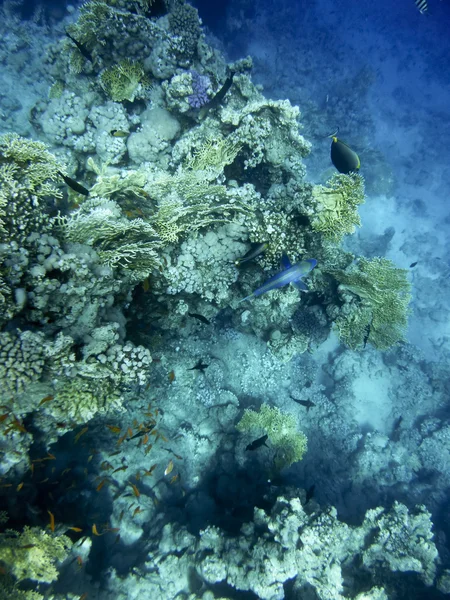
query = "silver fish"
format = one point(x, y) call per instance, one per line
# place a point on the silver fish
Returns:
point(290, 274)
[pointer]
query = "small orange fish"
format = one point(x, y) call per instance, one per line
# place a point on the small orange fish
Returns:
point(137, 476)
point(114, 428)
point(19, 425)
point(44, 480)
point(83, 596)
point(19, 487)
point(121, 515)
point(175, 478)
point(82, 432)
point(177, 456)
point(171, 376)
point(136, 424)
point(163, 437)
point(6, 485)
point(51, 525)
point(150, 471)
point(130, 432)
point(135, 490)
point(27, 546)
point(147, 450)
point(146, 285)
point(76, 529)
point(115, 453)
point(137, 511)
point(32, 469)
point(46, 399)
point(113, 529)
point(124, 468)
point(106, 466)
point(94, 530)
point(169, 468)
point(90, 457)
point(4, 417)
point(66, 470)
point(101, 484)
point(145, 439)
point(79, 562)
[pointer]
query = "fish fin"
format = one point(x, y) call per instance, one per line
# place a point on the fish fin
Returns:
point(285, 262)
point(246, 298)
point(301, 285)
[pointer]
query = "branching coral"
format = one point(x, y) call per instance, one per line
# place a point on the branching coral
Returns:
point(192, 199)
point(337, 206)
point(281, 428)
point(33, 553)
point(124, 81)
point(214, 154)
point(119, 242)
point(30, 162)
point(377, 295)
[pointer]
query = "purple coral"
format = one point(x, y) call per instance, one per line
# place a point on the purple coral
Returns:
point(200, 84)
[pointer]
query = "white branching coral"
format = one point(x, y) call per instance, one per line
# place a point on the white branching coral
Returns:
point(119, 242)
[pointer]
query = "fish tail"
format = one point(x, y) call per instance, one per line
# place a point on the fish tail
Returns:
point(246, 298)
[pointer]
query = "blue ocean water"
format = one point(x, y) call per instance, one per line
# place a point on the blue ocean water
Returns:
point(161, 437)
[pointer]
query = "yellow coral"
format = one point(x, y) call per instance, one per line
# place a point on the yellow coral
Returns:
point(33, 553)
point(124, 81)
point(337, 206)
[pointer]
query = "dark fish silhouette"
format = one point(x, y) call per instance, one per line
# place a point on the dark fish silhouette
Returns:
point(306, 403)
point(310, 493)
point(413, 264)
point(217, 99)
point(258, 443)
point(396, 430)
point(343, 157)
point(77, 187)
point(81, 47)
point(200, 318)
point(200, 366)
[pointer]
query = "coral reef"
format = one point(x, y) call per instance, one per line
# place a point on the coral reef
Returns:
point(180, 177)
point(311, 549)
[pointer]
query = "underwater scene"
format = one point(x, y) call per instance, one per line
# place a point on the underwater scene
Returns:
point(224, 300)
